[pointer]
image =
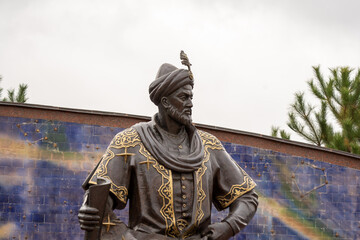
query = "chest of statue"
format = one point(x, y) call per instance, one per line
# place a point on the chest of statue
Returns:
point(164, 201)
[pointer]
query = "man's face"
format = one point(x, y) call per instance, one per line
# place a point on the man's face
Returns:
point(180, 104)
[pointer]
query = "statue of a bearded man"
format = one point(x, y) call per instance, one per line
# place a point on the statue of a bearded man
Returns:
point(171, 173)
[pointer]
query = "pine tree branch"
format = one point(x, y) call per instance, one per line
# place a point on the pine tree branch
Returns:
point(284, 135)
point(353, 83)
point(355, 99)
point(11, 93)
point(305, 114)
point(319, 77)
point(345, 77)
point(325, 129)
point(315, 90)
point(294, 125)
point(21, 95)
point(340, 97)
point(330, 96)
point(274, 131)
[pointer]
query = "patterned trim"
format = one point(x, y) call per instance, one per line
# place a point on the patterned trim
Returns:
point(182, 224)
point(236, 191)
point(166, 192)
point(124, 139)
point(119, 191)
point(130, 138)
point(209, 142)
point(102, 168)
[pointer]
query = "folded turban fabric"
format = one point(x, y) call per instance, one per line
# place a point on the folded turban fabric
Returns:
point(168, 79)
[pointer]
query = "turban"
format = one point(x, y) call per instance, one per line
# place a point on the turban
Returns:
point(168, 79)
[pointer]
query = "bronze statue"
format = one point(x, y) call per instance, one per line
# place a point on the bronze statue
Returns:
point(171, 173)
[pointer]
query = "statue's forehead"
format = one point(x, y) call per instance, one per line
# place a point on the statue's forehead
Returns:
point(184, 89)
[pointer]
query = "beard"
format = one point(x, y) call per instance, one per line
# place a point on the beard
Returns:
point(178, 116)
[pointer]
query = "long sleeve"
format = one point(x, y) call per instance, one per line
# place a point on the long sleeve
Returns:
point(115, 165)
point(242, 211)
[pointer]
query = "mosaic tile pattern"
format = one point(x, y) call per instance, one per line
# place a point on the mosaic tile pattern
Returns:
point(43, 164)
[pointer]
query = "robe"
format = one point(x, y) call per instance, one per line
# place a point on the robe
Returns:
point(166, 199)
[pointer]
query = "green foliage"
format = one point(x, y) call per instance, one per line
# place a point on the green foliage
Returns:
point(339, 98)
point(276, 131)
point(20, 97)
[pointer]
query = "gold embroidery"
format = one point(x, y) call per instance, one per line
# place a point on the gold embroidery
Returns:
point(147, 162)
point(236, 191)
point(125, 154)
point(130, 138)
point(102, 168)
point(182, 224)
point(124, 139)
point(120, 192)
point(165, 191)
point(209, 142)
point(108, 224)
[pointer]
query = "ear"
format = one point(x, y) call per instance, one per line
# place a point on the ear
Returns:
point(164, 102)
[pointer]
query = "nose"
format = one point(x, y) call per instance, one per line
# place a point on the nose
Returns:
point(189, 103)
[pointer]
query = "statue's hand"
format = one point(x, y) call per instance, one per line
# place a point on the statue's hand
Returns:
point(218, 231)
point(88, 217)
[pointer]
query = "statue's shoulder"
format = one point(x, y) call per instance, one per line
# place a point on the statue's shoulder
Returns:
point(209, 140)
point(128, 136)
point(126, 132)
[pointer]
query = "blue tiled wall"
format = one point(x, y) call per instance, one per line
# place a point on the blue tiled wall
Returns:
point(43, 164)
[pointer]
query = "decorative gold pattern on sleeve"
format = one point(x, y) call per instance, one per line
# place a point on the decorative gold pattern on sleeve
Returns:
point(102, 168)
point(123, 140)
point(120, 192)
point(211, 142)
point(236, 191)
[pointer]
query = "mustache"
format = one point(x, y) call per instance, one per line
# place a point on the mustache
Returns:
point(187, 110)
point(181, 117)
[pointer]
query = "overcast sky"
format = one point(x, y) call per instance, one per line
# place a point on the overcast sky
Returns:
point(249, 57)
